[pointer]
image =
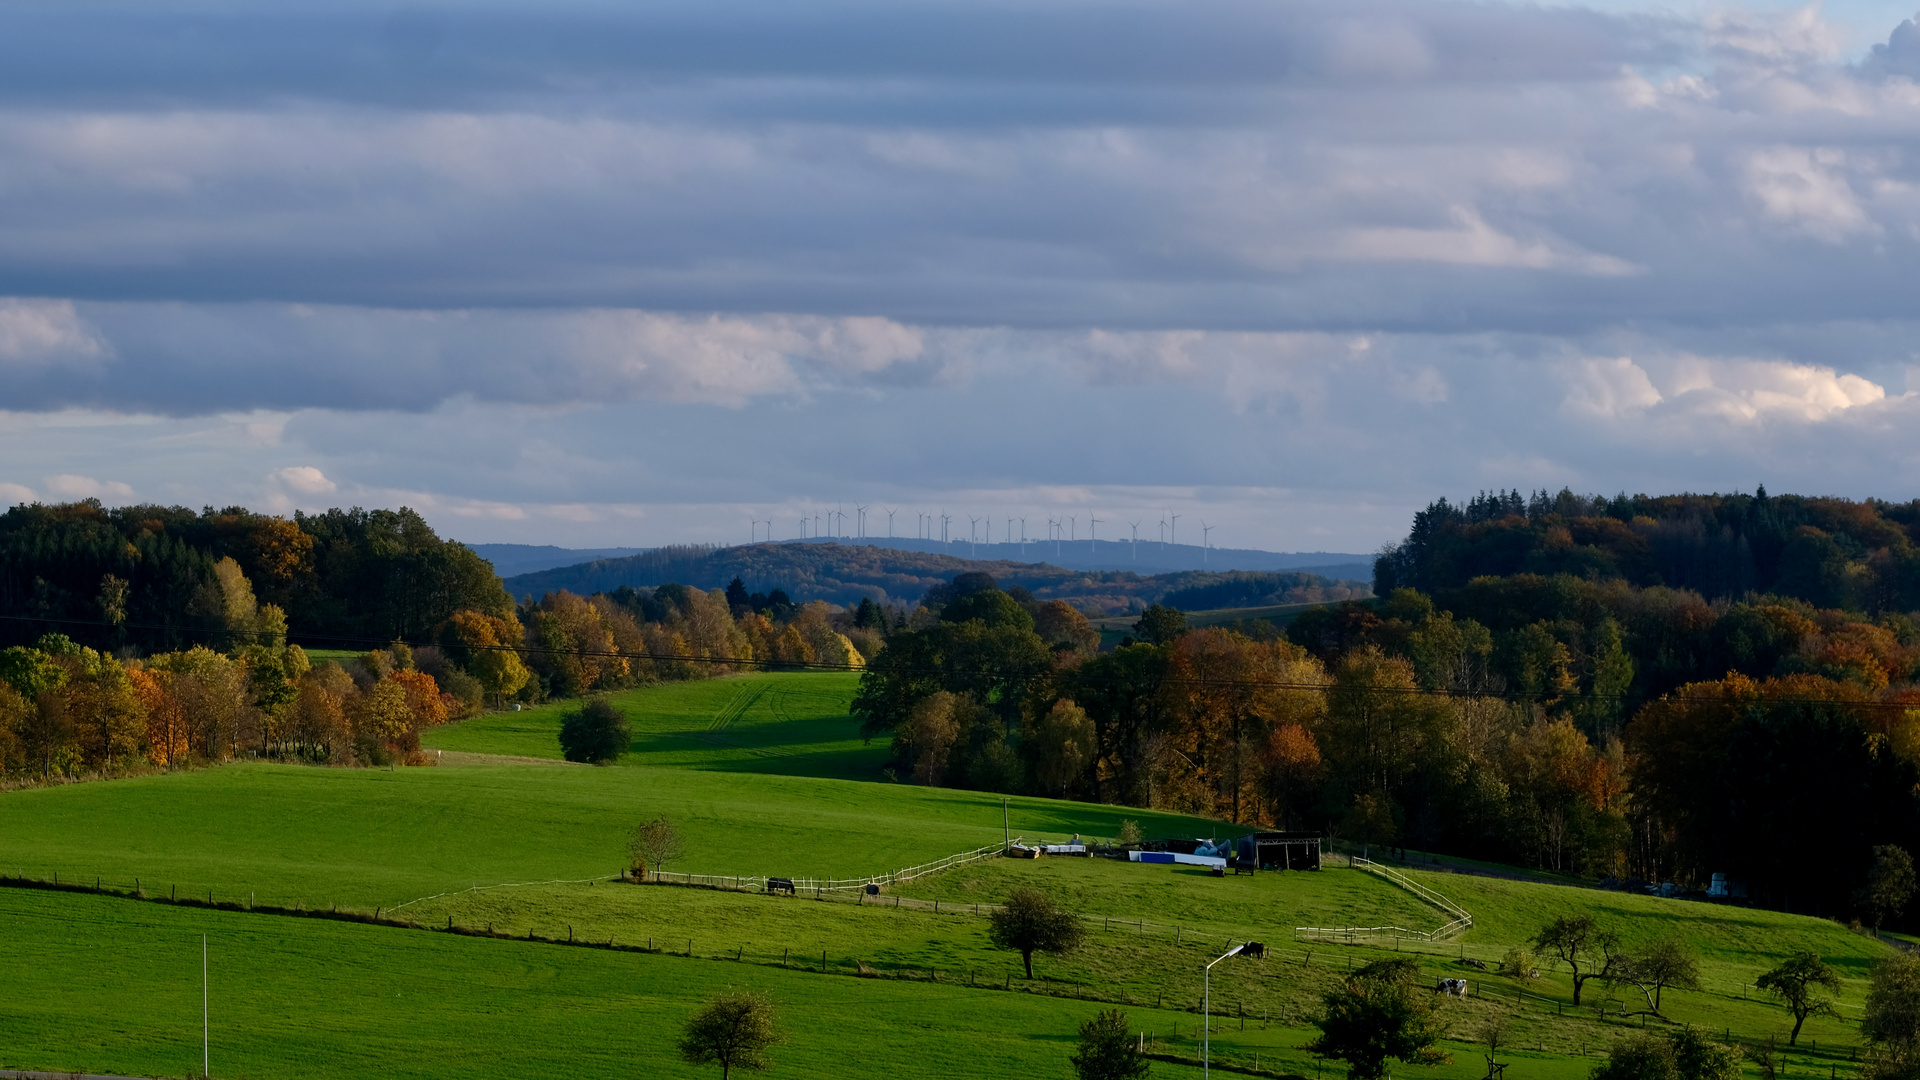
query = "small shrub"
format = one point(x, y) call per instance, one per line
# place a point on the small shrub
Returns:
point(1129, 832)
point(1519, 963)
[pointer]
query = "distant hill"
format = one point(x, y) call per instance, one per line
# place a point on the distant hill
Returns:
point(511, 559)
point(1146, 557)
point(845, 573)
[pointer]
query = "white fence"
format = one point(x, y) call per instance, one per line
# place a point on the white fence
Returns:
point(1461, 918)
point(826, 885)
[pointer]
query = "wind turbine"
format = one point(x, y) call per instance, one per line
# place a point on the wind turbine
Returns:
point(1175, 531)
point(973, 527)
point(1093, 539)
point(890, 514)
point(863, 521)
point(1206, 543)
point(1075, 521)
point(1136, 540)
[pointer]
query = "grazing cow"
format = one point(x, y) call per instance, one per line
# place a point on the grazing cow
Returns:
point(1255, 949)
point(780, 884)
point(1452, 987)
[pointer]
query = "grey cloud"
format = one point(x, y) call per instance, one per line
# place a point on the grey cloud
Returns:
point(473, 54)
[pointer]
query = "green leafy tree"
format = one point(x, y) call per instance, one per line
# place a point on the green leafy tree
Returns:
point(596, 733)
point(1684, 1055)
point(1892, 1019)
point(1379, 1013)
point(1160, 625)
point(1890, 884)
point(733, 1031)
point(1804, 983)
point(1031, 921)
point(1108, 1050)
point(1662, 964)
point(1588, 949)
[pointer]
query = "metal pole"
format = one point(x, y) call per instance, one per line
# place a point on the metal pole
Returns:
point(1006, 825)
point(1206, 1011)
point(206, 1041)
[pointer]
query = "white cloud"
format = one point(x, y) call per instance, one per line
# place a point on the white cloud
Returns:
point(35, 332)
point(1808, 189)
point(304, 480)
point(1475, 243)
point(69, 486)
point(1747, 390)
point(14, 494)
point(1610, 387)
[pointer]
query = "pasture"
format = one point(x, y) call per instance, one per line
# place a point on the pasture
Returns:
point(762, 776)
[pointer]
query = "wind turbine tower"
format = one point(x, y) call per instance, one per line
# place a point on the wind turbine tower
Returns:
point(890, 514)
point(1206, 541)
point(1093, 537)
point(1136, 540)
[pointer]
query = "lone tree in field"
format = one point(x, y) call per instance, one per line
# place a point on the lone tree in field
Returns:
point(1664, 963)
point(1107, 1049)
point(1802, 984)
point(595, 733)
point(1890, 885)
point(1031, 921)
point(1588, 949)
point(654, 843)
point(1379, 1013)
point(733, 1030)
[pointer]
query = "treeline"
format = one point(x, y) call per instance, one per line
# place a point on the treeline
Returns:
point(845, 574)
point(1588, 726)
point(1831, 553)
point(69, 710)
point(153, 578)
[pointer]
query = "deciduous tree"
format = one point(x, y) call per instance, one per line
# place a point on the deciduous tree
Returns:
point(733, 1030)
point(1108, 1050)
point(1803, 983)
point(1032, 921)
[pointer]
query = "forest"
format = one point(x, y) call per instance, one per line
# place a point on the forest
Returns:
point(154, 577)
point(1604, 723)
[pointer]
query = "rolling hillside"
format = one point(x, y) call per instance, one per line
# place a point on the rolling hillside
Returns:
point(844, 573)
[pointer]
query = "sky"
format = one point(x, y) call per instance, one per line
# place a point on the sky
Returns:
point(599, 274)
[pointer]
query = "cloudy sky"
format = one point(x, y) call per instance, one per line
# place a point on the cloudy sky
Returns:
point(618, 274)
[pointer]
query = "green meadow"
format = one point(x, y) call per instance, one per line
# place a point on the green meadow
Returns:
point(763, 776)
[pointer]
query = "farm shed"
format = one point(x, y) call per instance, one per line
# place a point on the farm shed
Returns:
point(1279, 850)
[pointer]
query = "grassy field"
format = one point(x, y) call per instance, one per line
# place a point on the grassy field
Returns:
point(789, 724)
point(762, 777)
point(367, 837)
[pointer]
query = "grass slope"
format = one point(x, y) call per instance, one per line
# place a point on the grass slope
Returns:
point(789, 724)
point(367, 837)
point(756, 771)
point(113, 986)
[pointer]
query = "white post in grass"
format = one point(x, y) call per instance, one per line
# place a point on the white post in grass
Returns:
point(1206, 1011)
point(206, 1041)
